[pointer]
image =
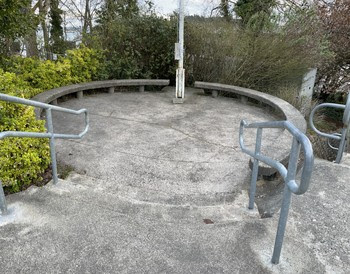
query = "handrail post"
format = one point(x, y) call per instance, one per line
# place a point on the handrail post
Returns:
point(52, 145)
point(288, 174)
point(292, 170)
point(348, 137)
point(254, 178)
point(342, 145)
point(49, 134)
point(3, 205)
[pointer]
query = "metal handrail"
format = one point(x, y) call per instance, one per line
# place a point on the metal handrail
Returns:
point(343, 136)
point(49, 134)
point(288, 174)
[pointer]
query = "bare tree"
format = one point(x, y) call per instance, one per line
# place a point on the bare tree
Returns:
point(224, 9)
point(43, 6)
point(31, 44)
point(30, 39)
point(40, 7)
point(335, 16)
point(80, 15)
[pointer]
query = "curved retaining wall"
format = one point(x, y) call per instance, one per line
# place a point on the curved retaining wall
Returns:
point(51, 96)
point(286, 110)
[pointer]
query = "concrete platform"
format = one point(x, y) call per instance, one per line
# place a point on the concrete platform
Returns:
point(153, 150)
point(162, 188)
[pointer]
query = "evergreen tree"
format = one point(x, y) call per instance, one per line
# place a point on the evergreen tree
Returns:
point(16, 20)
point(56, 31)
point(245, 9)
point(114, 9)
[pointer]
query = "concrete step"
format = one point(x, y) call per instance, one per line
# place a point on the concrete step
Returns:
point(71, 228)
point(346, 160)
point(96, 192)
point(143, 192)
point(321, 215)
point(298, 252)
point(77, 226)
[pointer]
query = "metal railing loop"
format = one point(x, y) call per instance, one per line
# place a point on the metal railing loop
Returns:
point(300, 141)
point(343, 136)
point(49, 134)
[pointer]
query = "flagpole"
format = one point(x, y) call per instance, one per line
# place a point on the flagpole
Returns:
point(180, 72)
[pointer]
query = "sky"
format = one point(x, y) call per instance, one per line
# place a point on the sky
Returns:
point(199, 7)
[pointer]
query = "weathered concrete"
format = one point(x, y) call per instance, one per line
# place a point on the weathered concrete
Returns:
point(51, 96)
point(283, 108)
point(289, 112)
point(322, 216)
point(186, 153)
point(80, 227)
point(164, 192)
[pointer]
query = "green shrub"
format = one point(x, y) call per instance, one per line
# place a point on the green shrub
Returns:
point(43, 75)
point(22, 160)
point(80, 65)
point(86, 64)
point(267, 53)
point(138, 46)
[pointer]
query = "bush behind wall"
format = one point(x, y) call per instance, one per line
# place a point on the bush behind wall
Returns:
point(22, 160)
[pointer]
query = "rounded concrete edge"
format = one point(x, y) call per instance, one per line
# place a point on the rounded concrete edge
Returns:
point(51, 95)
point(289, 112)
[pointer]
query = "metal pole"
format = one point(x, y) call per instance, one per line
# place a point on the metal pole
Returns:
point(180, 72)
point(52, 145)
point(287, 194)
point(3, 205)
point(181, 33)
point(342, 145)
point(347, 138)
point(281, 225)
point(255, 170)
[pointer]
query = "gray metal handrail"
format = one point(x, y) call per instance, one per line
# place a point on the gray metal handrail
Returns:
point(288, 174)
point(343, 136)
point(49, 134)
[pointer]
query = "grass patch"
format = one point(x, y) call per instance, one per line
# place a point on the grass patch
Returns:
point(64, 170)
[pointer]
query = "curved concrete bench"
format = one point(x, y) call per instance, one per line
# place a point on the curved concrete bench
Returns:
point(282, 146)
point(51, 96)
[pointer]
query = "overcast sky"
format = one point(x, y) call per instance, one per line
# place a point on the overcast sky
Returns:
point(200, 7)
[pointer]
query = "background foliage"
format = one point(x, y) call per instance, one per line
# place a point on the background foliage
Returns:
point(22, 160)
point(334, 76)
point(15, 22)
point(263, 55)
point(79, 65)
point(137, 45)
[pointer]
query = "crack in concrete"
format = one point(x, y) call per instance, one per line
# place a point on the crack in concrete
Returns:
point(202, 139)
point(169, 205)
point(170, 127)
point(143, 156)
point(171, 147)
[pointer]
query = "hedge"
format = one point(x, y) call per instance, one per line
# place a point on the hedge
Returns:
point(23, 160)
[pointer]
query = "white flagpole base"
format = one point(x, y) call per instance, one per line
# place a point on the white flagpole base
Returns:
point(180, 83)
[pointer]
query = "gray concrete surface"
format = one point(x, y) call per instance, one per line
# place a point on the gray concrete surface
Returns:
point(280, 150)
point(161, 188)
point(153, 150)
